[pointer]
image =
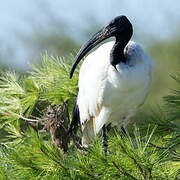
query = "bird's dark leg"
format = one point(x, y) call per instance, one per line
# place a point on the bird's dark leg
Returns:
point(104, 140)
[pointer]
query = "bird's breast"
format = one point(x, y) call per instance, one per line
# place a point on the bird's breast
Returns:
point(126, 85)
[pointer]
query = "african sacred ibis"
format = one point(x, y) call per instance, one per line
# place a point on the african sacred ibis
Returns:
point(114, 80)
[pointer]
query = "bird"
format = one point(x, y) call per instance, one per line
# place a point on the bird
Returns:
point(114, 81)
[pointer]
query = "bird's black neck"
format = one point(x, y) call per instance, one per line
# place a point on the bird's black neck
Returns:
point(117, 53)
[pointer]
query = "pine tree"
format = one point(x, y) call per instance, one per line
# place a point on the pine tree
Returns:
point(148, 151)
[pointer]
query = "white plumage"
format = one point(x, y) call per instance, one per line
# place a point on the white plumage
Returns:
point(107, 95)
point(114, 80)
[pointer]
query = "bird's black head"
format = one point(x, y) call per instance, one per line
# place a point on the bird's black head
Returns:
point(120, 27)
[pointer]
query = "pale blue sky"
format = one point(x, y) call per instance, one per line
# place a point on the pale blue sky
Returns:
point(154, 18)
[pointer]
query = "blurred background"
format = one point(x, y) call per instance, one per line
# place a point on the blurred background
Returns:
point(30, 28)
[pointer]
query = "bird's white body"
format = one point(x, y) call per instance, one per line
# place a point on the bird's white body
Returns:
point(107, 95)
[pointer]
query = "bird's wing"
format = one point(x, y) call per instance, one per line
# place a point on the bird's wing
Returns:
point(92, 80)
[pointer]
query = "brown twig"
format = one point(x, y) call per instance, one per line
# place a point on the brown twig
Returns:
point(134, 160)
point(122, 170)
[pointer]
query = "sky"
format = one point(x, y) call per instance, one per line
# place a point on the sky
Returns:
point(152, 18)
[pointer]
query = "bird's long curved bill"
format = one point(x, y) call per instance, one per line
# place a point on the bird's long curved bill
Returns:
point(94, 41)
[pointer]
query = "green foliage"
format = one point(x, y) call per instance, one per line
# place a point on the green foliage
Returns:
point(47, 84)
point(173, 100)
point(53, 79)
point(150, 150)
point(128, 158)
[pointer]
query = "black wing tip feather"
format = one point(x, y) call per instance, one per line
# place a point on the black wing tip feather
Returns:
point(75, 119)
